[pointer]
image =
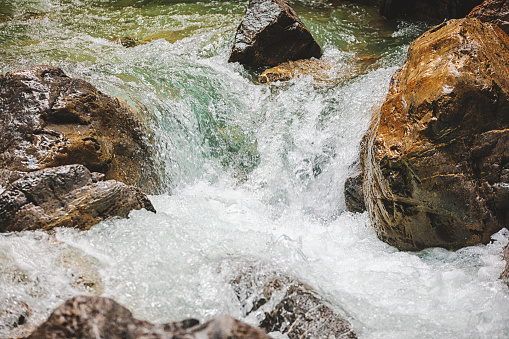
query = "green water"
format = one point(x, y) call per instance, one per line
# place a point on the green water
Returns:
point(82, 37)
point(176, 41)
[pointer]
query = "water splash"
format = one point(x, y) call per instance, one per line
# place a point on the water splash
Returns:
point(255, 173)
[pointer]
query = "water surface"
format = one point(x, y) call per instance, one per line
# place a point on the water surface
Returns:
point(253, 175)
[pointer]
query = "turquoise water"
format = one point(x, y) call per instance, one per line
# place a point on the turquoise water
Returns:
point(253, 175)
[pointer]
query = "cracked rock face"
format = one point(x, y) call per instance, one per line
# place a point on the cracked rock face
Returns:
point(48, 119)
point(65, 196)
point(271, 33)
point(436, 165)
point(96, 317)
point(494, 11)
point(285, 305)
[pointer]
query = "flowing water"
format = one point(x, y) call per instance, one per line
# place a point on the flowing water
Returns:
point(253, 175)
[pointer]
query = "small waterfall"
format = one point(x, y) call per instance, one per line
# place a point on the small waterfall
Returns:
point(253, 176)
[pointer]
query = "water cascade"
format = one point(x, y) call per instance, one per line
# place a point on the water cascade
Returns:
point(253, 175)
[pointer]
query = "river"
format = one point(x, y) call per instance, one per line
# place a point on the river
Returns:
point(253, 175)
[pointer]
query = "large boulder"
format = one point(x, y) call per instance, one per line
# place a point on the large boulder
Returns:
point(96, 317)
point(48, 119)
point(285, 305)
point(494, 11)
point(65, 196)
point(270, 34)
point(436, 165)
point(434, 9)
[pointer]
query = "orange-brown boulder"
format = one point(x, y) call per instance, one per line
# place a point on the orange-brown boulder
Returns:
point(494, 11)
point(272, 33)
point(436, 165)
point(48, 119)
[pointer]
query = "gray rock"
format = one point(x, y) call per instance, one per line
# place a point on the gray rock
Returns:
point(354, 194)
point(271, 33)
point(68, 196)
point(288, 306)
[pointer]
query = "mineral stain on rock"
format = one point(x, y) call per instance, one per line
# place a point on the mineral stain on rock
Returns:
point(437, 155)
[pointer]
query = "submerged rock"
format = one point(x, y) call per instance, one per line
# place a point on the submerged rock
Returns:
point(354, 193)
point(271, 33)
point(96, 317)
point(435, 9)
point(13, 316)
point(436, 165)
point(65, 196)
point(83, 269)
point(285, 305)
point(494, 11)
point(126, 41)
point(320, 70)
point(48, 119)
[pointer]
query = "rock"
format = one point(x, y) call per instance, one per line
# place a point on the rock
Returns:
point(494, 11)
point(48, 119)
point(83, 268)
point(96, 317)
point(505, 275)
point(65, 196)
point(285, 305)
point(271, 33)
point(13, 317)
point(8, 177)
point(434, 9)
point(436, 163)
point(126, 41)
point(354, 194)
point(320, 70)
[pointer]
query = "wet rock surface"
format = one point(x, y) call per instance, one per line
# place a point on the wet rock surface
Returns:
point(48, 119)
point(354, 193)
point(494, 11)
point(505, 275)
point(436, 165)
point(271, 33)
point(320, 70)
point(94, 317)
point(65, 196)
point(434, 9)
point(285, 305)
